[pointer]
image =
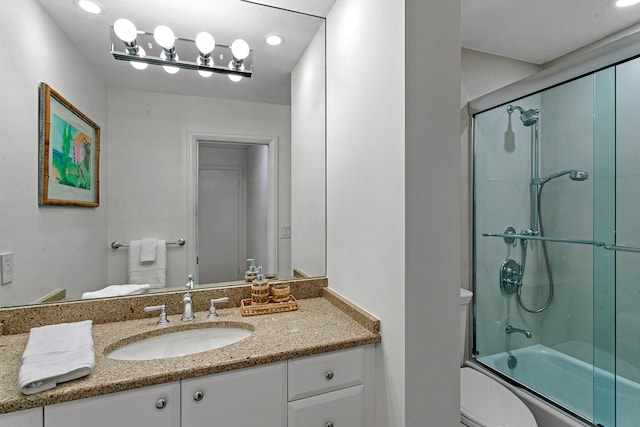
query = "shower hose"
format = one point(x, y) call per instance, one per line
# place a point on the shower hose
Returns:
point(523, 247)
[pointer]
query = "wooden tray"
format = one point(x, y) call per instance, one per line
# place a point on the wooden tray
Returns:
point(250, 309)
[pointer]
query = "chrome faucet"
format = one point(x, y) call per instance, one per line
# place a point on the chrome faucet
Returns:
point(187, 302)
point(511, 330)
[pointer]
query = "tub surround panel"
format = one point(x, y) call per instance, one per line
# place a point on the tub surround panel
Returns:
point(320, 325)
point(19, 320)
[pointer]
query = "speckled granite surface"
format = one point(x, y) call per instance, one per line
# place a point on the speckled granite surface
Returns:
point(320, 325)
point(18, 320)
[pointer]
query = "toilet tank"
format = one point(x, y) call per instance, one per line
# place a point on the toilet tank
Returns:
point(465, 299)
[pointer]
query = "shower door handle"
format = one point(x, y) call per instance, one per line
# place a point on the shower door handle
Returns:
point(621, 248)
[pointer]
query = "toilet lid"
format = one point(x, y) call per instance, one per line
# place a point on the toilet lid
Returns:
point(488, 403)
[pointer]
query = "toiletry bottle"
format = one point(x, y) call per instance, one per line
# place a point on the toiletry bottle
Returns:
point(260, 289)
point(251, 274)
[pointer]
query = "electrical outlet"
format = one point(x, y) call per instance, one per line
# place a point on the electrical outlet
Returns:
point(6, 266)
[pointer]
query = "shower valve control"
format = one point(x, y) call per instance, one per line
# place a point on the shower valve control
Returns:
point(510, 276)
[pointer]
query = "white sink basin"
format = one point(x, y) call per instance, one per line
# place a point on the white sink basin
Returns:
point(180, 343)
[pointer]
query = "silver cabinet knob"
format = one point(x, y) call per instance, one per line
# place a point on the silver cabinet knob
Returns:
point(198, 396)
point(161, 403)
point(328, 375)
point(329, 424)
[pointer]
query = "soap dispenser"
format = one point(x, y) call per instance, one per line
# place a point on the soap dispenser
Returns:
point(251, 274)
point(260, 289)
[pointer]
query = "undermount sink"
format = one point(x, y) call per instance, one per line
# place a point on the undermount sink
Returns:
point(180, 343)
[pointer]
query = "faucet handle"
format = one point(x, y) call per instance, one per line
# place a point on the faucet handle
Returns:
point(163, 314)
point(212, 310)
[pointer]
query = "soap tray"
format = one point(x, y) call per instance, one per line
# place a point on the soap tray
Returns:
point(250, 309)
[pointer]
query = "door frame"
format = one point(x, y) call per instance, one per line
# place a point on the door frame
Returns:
point(193, 141)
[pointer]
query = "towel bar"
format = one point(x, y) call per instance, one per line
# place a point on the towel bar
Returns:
point(116, 244)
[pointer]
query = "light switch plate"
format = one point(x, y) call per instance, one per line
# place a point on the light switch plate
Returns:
point(6, 267)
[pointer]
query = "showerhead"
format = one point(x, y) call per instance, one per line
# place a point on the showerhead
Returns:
point(574, 175)
point(528, 117)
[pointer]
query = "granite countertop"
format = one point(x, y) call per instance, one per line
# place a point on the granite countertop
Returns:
point(321, 324)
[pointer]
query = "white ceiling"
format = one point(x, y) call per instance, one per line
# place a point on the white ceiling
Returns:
point(539, 31)
point(533, 31)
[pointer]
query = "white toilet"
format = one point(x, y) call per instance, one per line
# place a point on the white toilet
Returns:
point(483, 401)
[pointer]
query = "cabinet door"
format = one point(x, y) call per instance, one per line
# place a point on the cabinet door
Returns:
point(342, 408)
point(157, 406)
point(27, 418)
point(244, 398)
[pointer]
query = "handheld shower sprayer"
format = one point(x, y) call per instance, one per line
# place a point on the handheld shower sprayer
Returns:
point(574, 175)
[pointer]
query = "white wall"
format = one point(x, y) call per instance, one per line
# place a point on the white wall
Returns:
point(148, 161)
point(47, 241)
point(308, 187)
point(432, 189)
point(365, 179)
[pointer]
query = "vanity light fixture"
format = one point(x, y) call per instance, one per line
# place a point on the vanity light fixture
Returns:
point(625, 3)
point(89, 6)
point(162, 47)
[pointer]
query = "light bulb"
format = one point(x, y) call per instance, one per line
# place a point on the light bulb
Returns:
point(140, 65)
point(205, 42)
point(125, 30)
point(204, 73)
point(168, 68)
point(164, 36)
point(235, 77)
point(240, 49)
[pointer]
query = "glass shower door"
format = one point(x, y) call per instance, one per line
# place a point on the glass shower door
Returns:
point(627, 264)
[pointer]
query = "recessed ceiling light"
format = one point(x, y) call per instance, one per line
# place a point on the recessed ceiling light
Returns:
point(625, 3)
point(89, 6)
point(277, 39)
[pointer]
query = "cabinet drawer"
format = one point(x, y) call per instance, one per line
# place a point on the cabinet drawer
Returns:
point(325, 372)
point(342, 408)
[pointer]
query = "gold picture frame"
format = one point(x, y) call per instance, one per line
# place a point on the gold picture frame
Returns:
point(69, 153)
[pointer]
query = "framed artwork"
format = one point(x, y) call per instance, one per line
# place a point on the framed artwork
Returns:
point(69, 153)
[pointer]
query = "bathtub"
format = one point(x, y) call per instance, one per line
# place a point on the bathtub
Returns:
point(573, 384)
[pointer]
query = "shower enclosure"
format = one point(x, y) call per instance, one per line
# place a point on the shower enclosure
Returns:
point(556, 197)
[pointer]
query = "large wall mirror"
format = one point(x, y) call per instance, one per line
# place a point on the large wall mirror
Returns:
point(167, 142)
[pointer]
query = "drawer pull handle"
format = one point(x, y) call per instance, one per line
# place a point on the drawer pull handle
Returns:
point(198, 396)
point(329, 375)
point(161, 403)
point(329, 424)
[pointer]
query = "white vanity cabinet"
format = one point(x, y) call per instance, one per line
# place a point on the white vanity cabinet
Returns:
point(27, 418)
point(244, 398)
point(327, 390)
point(332, 389)
point(157, 406)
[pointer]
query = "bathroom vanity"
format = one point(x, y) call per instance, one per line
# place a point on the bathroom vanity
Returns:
point(313, 366)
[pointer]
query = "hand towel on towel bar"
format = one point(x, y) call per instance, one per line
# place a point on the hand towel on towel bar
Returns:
point(55, 354)
point(116, 291)
point(148, 249)
point(153, 273)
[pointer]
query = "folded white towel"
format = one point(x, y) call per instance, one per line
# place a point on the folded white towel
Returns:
point(148, 250)
point(153, 273)
point(116, 291)
point(55, 354)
